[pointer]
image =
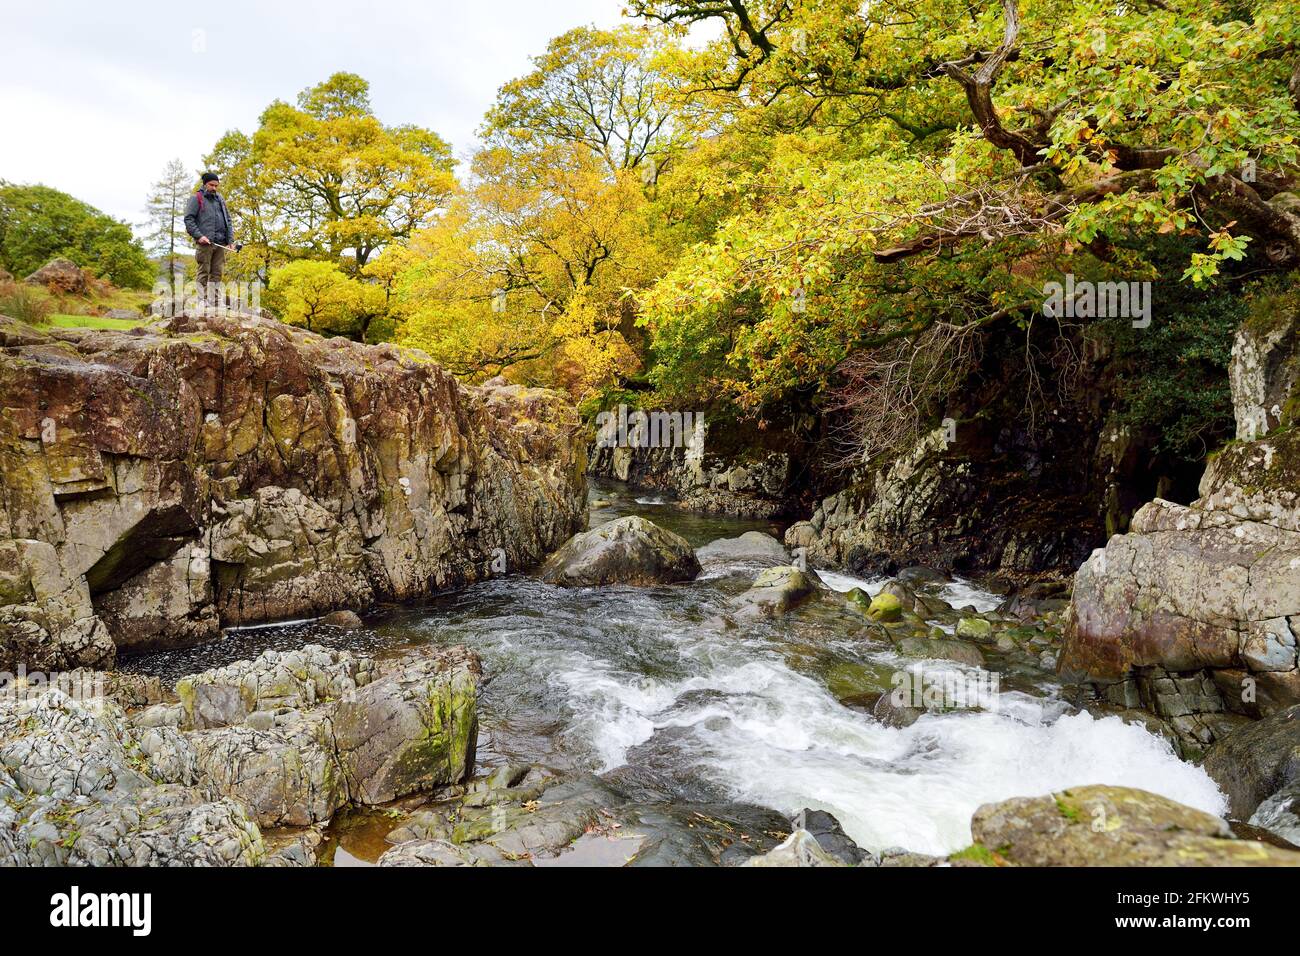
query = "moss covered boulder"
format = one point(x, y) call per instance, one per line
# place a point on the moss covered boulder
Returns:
point(1113, 826)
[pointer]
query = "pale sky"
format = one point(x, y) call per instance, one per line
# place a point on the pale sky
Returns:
point(96, 97)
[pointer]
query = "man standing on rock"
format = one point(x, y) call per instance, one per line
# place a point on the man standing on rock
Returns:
point(208, 223)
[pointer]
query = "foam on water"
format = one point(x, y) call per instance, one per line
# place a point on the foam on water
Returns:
point(775, 737)
point(961, 593)
point(734, 713)
point(847, 582)
point(595, 673)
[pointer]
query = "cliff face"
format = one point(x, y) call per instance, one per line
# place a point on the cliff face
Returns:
point(1194, 614)
point(161, 483)
point(723, 468)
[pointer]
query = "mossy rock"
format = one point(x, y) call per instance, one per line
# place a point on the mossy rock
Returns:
point(883, 607)
point(975, 629)
point(857, 680)
point(957, 651)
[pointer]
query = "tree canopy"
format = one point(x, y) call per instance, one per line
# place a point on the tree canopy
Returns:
point(38, 223)
point(324, 178)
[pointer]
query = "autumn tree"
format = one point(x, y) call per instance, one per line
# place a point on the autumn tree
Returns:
point(316, 295)
point(930, 165)
point(527, 270)
point(325, 179)
point(611, 91)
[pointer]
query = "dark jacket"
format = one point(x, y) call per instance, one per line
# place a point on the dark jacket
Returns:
point(207, 216)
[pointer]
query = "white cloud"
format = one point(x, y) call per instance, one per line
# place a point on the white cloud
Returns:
point(97, 97)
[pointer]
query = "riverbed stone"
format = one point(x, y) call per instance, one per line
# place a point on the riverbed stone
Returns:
point(885, 607)
point(942, 650)
point(975, 629)
point(800, 849)
point(1280, 814)
point(1256, 761)
point(750, 548)
point(777, 590)
point(631, 550)
point(1114, 826)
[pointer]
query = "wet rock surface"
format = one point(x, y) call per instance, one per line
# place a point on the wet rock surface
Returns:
point(1112, 826)
point(630, 550)
point(1193, 614)
point(778, 589)
point(199, 473)
point(1257, 762)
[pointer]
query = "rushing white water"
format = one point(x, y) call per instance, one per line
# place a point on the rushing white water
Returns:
point(959, 592)
point(670, 680)
point(777, 738)
point(728, 708)
point(847, 582)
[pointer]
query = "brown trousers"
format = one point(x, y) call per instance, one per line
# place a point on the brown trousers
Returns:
point(212, 265)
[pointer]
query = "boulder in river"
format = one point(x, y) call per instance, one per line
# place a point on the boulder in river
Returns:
point(883, 607)
point(1113, 826)
point(800, 849)
point(941, 649)
point(631, 550)
point(1280, 814)
point(752, 547)
point(1256, 761)
point(777, 590)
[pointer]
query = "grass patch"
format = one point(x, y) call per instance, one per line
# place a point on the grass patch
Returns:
point(978, 853)
point(1064, 809)
point(64, 321)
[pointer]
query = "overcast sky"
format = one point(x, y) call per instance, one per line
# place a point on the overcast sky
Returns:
point(96, 97)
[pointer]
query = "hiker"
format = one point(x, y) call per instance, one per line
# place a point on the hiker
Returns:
point(208, 223)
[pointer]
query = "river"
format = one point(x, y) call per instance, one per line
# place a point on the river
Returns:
point(769, 712)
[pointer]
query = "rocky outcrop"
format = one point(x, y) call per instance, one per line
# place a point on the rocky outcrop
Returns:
point(630, 550)
point(954, 504)
point(164, 482)
point(1194, 613)
point(73, 792)
point(721, 468)
point(1113, 826)
point(284, 740)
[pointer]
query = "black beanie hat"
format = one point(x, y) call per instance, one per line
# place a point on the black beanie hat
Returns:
point(210, 178)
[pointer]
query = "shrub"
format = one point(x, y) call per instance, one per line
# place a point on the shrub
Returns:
point(25, 304)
